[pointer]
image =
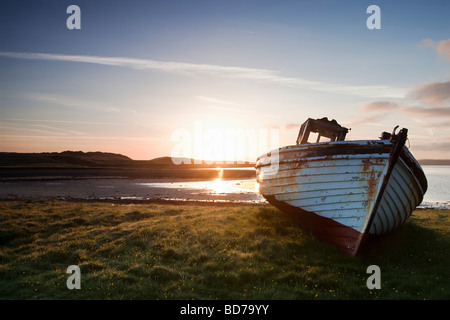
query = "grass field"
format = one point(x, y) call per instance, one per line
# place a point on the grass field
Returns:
point(171, 251)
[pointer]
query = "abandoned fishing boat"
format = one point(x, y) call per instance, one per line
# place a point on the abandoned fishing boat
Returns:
point(343, 191)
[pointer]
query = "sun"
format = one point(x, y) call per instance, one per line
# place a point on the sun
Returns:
point(219, 140)
point(222, 140)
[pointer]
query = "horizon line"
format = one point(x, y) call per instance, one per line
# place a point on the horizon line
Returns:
point(165, 156)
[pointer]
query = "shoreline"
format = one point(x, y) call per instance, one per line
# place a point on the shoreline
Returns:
point(127, 185)
point(139, 185)
point(45, 173)
point(143, 191)
point(180, 202)
point(175, 202)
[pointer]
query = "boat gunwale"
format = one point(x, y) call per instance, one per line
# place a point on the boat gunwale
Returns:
point(394, 151)
point(328, 147)
point(362, 149)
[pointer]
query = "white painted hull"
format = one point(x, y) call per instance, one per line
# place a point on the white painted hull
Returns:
point(401, 197)
point(347, 188)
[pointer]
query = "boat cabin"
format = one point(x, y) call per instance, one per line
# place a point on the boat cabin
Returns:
point(325, 128)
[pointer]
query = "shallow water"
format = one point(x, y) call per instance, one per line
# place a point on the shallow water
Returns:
point(238, 190)
point(438, 193)
point(217, 190)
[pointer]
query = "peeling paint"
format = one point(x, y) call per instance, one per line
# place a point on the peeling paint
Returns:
point(345, 182)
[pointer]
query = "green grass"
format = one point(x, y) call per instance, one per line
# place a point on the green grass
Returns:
point(165, 251)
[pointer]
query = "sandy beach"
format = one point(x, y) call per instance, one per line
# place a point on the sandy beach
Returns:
point(131, 185)
point(127, 189)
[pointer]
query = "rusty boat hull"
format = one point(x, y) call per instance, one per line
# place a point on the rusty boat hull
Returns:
point(343, 191)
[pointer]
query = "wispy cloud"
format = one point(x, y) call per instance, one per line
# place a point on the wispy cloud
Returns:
point(219, 104)
point(435, 94)
point(437, 125)
point(422, 111)
point(441, 47)
point(433, 146)
point(379, 106)
point(290, 126)
point(366, 120)
point(429, 112)
point(216, 101)
point(39, 129)
point(61, 121)
point(431, 103)
point(263, 75)
point(72, 102)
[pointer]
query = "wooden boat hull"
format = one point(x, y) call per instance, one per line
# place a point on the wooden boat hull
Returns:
point(343, 191)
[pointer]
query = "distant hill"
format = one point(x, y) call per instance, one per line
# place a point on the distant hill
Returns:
point(435, 162)
point(167, 161)
point(79, 159)
point(191, 161)
point(62, 159)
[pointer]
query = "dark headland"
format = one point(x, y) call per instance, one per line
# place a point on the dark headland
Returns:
point(88, 164)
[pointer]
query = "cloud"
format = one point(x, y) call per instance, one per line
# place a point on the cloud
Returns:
point(437, 125)
point(38, 129)
point(427, 43)
point(441, 47)
point(290, 126)
point(219, 104)
point(379, 110)
point(379, 106)
point(434, 94)
point(72, 102)
point(62, 121)
point(263, 75)
point(385, 107)
point(433, 146)
point(217, 101)
point(427, 112)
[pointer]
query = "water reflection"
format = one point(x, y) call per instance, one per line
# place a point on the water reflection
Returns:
point(217, 186)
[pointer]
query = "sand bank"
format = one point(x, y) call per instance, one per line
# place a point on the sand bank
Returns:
point(125, 189)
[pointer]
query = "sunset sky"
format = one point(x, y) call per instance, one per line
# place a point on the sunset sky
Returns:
point(138, 75)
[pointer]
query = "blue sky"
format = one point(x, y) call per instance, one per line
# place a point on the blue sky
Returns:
point(138, 71)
